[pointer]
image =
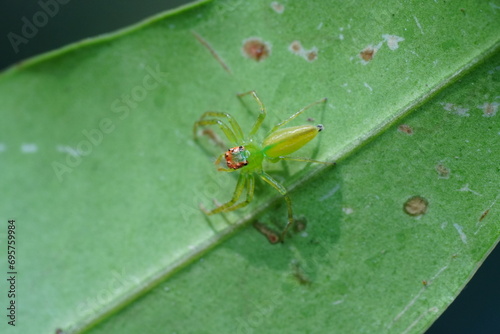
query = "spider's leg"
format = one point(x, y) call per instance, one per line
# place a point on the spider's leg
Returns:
point(240, 186)
point(250, 189)
point(236, 127)
point(305, 160)
point(227, 131)
point(297, 114)
point(288, 201)
point(262, 114)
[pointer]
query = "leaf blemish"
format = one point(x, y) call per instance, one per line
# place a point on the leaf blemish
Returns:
point(392, 41)
point(484, 215)
point(461, 233)
point(310, 55)
point(330, 193)
point(68, 149)
point(212, 51)
point(368, 53)
point(443, 171)
point(466, 188)
point(29, 148)
point(299, 274)
point(489, 109)
point(416, 206)
point(347, 211)
point(255, 48)
point(405, 128)
point(278, 7)
point(456, 109)
point(2, 147)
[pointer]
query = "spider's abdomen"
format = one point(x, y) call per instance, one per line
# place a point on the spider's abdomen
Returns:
point(288, 140)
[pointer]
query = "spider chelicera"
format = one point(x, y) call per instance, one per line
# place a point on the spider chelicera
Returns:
point(247, 156)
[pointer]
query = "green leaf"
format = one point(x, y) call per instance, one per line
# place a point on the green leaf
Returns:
point(104, 180)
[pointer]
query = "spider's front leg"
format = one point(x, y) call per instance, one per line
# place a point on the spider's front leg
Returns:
point(234, 135)
point(244, 181)
point(262, 114)
point(323, 100)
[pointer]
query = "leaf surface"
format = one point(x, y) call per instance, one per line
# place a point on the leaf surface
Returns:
point(105, 181)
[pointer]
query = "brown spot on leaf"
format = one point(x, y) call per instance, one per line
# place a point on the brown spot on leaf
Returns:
point(311, 55)
point(278, 7)
point(256, 49)
point(484, 215)
point(416, 206)
point(368, 53)
point(405, 128)
point(443, 171)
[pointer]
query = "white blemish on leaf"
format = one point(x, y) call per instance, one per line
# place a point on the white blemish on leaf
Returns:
point(489, 109)
point(320, 25)
point(437, 274)
point(497, 68)
point(418, 24)
point(414, 299)
point(413, 52)
point(337, 302)
point(447, 106)
point(2, 147)
point(461, 233)
point(341, 37)
point(433, 309)
point(347, 211)
point(368, 86)
point(277, 7)
point(392, 41)
point(494, 6)
point(330, 193)
point(466, 188)
point(29, 148)
point(456, 109)
point(443, 225)
point(68, 149)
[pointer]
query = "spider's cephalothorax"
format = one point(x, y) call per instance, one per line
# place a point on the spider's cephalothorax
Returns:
point(236, 157)
point(278, 143)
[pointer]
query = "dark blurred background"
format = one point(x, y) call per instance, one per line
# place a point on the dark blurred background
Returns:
point(477, 308)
